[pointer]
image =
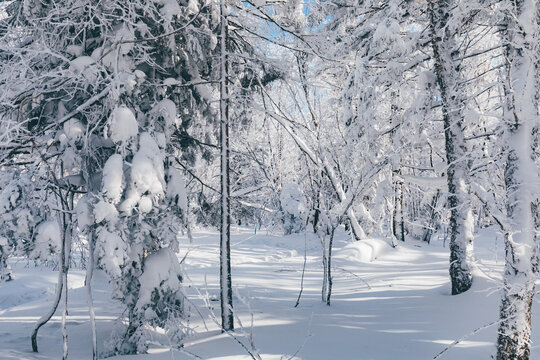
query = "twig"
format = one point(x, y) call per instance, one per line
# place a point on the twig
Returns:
point(356, 276)
point(303, 272)
point(465, 337)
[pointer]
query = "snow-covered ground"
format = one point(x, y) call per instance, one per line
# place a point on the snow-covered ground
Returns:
point(387, 303)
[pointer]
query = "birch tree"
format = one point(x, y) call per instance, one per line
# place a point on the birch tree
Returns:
point(450, 82)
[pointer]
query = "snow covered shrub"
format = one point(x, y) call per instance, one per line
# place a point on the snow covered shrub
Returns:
point(293, 208)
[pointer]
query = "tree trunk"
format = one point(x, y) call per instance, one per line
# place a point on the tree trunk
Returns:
point(325, 268)
point(227, 319)
point(329, 264)
point(5, 270)
point(447, 72)
point(58, 296)
point(88, 283)
point(398, 225)
point(432, 218)
point(521, 174)
point(67, 250)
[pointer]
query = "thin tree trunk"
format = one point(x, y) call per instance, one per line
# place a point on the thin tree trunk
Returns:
point(325, 268)
point(227, 319)
point(303, 273)
point(58, 295)
point(329, 264)
point(5, 270)
point(88, 283)
point(520, 115)
point(67, 234)
point(399, 225)
point(65, 295)
point(447, 72)
point(432, 218)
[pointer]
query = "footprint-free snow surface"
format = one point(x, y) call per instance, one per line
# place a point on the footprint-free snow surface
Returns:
point(387, 303)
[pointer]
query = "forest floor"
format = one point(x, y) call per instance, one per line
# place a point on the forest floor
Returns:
point(387, 303)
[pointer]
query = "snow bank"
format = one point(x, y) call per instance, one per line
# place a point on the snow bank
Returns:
point(364, 250)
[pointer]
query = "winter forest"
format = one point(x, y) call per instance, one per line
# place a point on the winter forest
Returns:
point(269, 179)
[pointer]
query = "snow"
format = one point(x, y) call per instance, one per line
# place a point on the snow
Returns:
point(366, 250)
point(147, 173)
point(110, 249)
point(73, 129)
point(145, 204)
point(176, 188)
point(167, 109)
point(161, 270)
point(86, 66)
point(113, 178)
point(85, 217)
point(193, 6)
point(8, 198)
point(125, 37)
point(395, 306)
point(104, 210)
point(47, 240)
point(293, 205)
point(169, 9)
point(74, 50)
point(292, 199)
point(123, 125)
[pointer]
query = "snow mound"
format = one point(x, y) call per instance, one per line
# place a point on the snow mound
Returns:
point(363, 250)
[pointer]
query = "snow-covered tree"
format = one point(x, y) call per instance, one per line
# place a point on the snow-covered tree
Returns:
point(451, 85)
point(106, 107)
point(520, 116)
